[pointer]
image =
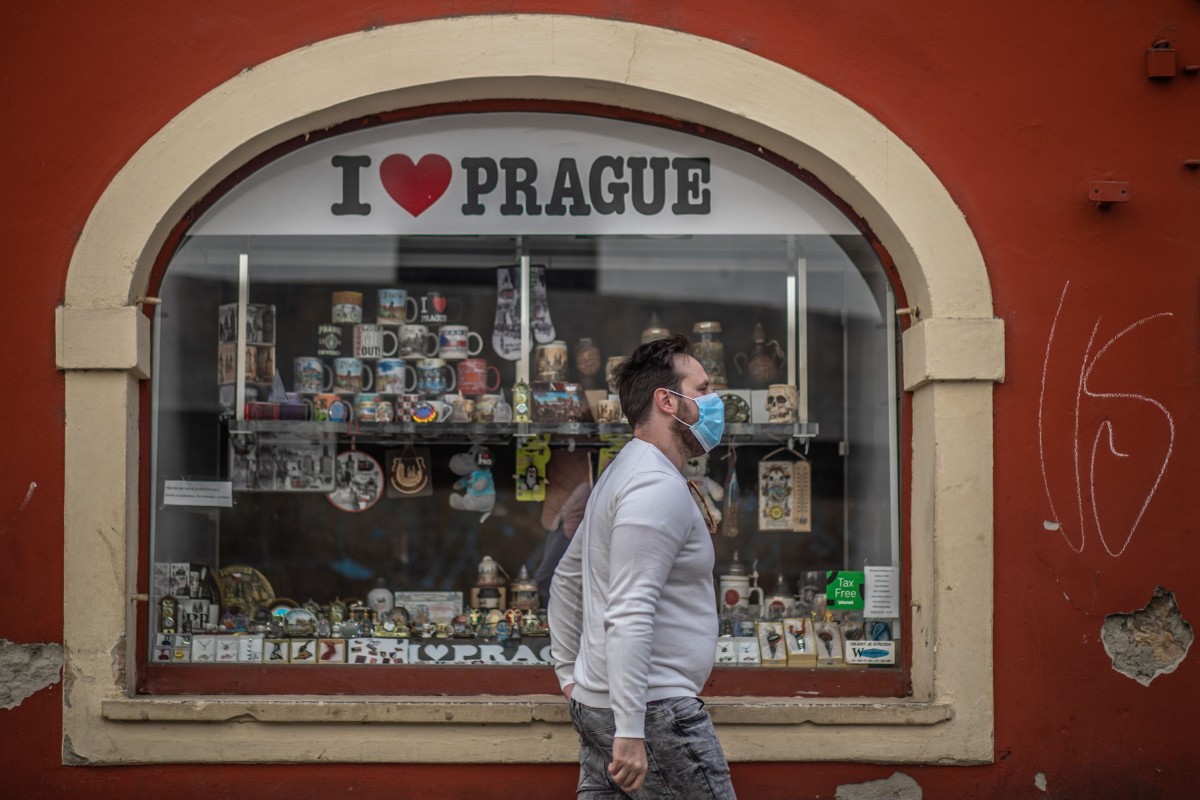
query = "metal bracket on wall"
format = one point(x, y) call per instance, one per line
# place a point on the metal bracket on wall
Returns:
point(1105, 193)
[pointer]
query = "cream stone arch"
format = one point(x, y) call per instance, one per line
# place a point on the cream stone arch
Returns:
point(952, 355)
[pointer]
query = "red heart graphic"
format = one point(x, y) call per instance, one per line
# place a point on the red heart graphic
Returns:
point(439, 304)
point(415, 187)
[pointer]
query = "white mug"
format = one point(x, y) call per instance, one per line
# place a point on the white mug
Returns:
point(370, 341)
point(417, 342)
point(351, 376)
point(736, 591)
point(393, 376)
point(454, 342)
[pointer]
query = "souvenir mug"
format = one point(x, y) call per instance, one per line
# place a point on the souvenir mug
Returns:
point(437, 309)
point(372, 408)
point(331, 408)
point(393, 376)
point(454, 342)
point(347, 307)
point(736, 592)
point(473, 376)
point(370, 341)
point(431, 411)
point(311, 375)
point(435, 376)
point(550, 361)
point(348, 376)
point(416, 342)
point(782, 402)
point(610, 410)
point(485, 407)
point(332, 340)
point(406, 404)
point(394, 305)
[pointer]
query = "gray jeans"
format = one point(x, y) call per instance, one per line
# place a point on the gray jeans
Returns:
point(684, 758)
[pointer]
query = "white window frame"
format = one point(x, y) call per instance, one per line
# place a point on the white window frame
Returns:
point(952, 356)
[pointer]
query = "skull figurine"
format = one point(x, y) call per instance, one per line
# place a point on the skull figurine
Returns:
point(782, 400)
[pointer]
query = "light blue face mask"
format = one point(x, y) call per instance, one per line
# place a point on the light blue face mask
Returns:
point(711, 424)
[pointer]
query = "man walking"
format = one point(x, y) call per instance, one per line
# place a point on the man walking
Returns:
point(633, 621)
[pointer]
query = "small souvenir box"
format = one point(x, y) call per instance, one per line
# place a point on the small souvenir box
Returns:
point(172, 648)
point(331, 651)
point(204, 649)
point(801, 646)
point(377, 651)
point(830, 652)
point(302, 651)
point(275, 651)
point(771, 644)
point(227, 649)
point(747, 651)
point(726, 653)
point(250, 649)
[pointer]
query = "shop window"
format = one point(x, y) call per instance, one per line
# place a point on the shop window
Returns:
point(380, 396)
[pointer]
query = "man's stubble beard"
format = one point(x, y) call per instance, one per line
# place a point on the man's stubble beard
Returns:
point(687, 440)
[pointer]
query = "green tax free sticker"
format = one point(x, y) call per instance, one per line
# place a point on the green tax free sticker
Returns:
point(844, 590)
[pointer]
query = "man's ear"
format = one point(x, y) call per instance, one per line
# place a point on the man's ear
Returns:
point(664, 401)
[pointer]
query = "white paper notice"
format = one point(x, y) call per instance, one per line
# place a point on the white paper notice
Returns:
point(881, 595)
point(198, 493)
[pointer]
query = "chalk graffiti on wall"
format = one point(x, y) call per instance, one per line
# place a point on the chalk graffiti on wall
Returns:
point(1088, 447)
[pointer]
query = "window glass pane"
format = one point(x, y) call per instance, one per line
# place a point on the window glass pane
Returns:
point(267, 500)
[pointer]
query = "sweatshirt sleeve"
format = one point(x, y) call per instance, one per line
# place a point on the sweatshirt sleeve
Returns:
point(565, 612)
point(650, 527)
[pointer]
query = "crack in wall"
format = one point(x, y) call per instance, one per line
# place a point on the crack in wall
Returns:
point(1149, 642)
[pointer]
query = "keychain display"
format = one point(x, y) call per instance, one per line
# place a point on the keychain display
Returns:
point(785, 493)
point(532, 458)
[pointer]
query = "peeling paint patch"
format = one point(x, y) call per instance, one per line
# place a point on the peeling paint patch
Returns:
point(897, 787)
point(1039, 781)
point(26, 669)
point(1147, 643)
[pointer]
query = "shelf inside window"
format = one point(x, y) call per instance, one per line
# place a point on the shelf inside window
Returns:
point(496, 432)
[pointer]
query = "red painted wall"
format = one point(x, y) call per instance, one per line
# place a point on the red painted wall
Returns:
point(1016, 106)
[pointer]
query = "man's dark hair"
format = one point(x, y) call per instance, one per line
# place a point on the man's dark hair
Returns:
point(651, 366)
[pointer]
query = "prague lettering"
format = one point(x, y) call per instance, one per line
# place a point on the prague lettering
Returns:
point(515, 186)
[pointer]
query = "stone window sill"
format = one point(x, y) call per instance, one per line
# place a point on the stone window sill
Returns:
point(504, 710)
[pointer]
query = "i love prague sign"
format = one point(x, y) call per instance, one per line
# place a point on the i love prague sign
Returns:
point(518, 173)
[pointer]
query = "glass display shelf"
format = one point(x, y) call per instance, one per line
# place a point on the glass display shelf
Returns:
point(484, 432)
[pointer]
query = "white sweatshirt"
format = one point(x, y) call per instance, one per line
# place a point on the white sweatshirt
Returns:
point(632, 610)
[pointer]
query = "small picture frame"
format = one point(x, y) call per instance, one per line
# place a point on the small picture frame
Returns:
point(559, 402)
